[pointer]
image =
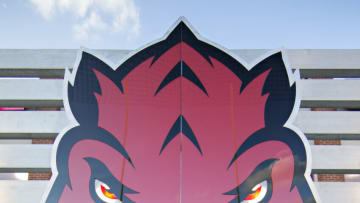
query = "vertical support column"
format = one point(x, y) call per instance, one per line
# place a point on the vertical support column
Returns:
point(328, 177)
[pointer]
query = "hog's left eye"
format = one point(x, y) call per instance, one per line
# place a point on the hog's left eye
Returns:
point(258, 193)
point(103, 191)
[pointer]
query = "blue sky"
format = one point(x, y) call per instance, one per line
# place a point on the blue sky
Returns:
point(129, 24)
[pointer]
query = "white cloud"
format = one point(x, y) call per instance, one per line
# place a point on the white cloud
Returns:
point(45, 7)
point(121, 16)
point(92, 24)
point(128, 18)
point(78, 7)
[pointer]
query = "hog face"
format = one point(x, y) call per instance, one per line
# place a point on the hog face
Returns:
point(181, 121)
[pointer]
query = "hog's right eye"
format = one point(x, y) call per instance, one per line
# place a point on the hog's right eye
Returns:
point(103, 191)
point(259, 192)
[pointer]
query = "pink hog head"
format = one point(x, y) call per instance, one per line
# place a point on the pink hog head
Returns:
point(181, 121)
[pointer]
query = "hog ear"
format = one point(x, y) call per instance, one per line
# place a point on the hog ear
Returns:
point(81, 95)
point(282, 94)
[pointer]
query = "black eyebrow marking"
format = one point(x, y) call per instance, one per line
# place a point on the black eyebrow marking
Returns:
point(179, 124)
point(100, 172)
point(181, 69)
point(260, 173)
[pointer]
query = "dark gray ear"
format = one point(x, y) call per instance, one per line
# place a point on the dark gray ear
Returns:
point(282, 96)
point(81, 95)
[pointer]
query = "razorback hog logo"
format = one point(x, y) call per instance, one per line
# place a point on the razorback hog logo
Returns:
point(181, 121)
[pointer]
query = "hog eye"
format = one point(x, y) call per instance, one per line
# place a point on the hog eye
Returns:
point(258, 193)
point(103, 191)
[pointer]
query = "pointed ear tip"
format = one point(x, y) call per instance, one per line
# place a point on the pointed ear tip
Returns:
point(274, 54)
point(86, 53)
point(277, 56)
point(182, 19)
point(82, 51)
point(279, 52)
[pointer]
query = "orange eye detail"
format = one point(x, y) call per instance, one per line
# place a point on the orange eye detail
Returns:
point(255, 194)
point(107, 194)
